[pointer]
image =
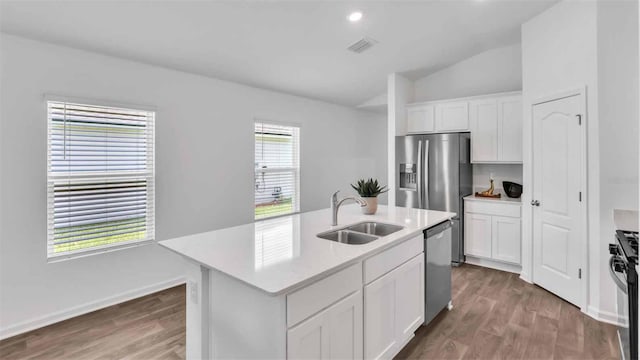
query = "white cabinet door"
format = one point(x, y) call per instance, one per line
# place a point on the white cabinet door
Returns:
point(335, 333)
point(346, 327)
point(393, 309)
point(510, 129)
point(309, 339)
point(421, 119)
point(484, 130)
point(505, 239)
point(380, 332)
point(477, 235)
point(410, 297)
point(453, 116)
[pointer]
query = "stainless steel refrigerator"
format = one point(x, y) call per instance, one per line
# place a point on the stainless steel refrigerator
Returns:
point(434, 172)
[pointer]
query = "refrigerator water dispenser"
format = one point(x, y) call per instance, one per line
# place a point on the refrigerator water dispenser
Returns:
point(408, 177)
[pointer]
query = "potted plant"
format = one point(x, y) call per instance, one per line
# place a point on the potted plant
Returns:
point(369, 191)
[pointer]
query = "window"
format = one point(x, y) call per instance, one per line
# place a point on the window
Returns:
point(277, 170)
point(100, 177)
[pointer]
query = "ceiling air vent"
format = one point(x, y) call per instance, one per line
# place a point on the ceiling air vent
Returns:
point(362, 45)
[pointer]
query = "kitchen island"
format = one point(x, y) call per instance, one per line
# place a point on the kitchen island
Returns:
point(273, 289)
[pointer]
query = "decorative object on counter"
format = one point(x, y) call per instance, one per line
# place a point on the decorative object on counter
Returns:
point(369, 191)
point(489, 192)
point(513, 190)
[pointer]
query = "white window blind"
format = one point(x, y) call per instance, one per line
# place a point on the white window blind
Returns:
point(277, 170)
point(100, 177)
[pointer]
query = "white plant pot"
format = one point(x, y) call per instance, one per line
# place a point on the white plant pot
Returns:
point(371, 207)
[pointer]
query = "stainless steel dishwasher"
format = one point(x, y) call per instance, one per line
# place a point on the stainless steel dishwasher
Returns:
point(437, 246)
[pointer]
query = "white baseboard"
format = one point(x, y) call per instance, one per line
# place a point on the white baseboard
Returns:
point(605, 316)
point(498, 265)
point(525, 277)
point(37, 323)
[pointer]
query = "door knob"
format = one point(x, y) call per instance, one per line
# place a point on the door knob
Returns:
point(535, 203)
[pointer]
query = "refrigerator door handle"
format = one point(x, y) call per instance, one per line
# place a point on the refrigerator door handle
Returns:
point(425, 183)
point(419, 174)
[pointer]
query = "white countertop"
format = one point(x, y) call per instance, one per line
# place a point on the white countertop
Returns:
point(503, 199)
point(278, 255)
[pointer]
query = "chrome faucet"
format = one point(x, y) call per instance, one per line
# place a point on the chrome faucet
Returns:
point(335, 205)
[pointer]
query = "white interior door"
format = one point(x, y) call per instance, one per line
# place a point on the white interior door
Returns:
point(557, 169)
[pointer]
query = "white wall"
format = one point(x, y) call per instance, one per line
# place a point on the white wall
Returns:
point(492, 71)
point(591, 44)
point(618, 114)
point(204, 169)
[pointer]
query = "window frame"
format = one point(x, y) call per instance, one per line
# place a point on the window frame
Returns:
point(79, 253)
point(295, 170)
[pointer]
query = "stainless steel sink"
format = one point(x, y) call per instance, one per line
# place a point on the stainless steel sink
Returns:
point(360, 233)
point(347, 237)
point(374, 228)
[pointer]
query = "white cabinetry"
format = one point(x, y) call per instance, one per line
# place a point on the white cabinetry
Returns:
point(393, 309)
point(492, 230)
point(477, 234)
point(327, 319)
point(495, 123)
point(496, 130)
point(335, 333)
point(452, 116)
point(421, 119)
point(510, 129)
point(484, 130)
point(505, 239)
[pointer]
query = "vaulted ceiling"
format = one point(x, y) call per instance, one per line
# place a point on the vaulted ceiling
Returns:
point(297, 47)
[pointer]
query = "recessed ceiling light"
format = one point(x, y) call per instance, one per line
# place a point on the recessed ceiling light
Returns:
point(355, 16)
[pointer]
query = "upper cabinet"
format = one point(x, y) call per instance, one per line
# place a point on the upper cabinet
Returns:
point(421, 119)
point(484, 130)
point(496, 130)
point(452, 116)
point(495, 123)
point(510, 129)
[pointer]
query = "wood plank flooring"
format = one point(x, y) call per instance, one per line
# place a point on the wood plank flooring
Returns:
point(150, 327)
point(495, 316)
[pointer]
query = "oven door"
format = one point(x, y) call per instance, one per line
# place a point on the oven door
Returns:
point(616, 270)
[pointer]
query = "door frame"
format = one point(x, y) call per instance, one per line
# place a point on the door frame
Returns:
point(581, 92)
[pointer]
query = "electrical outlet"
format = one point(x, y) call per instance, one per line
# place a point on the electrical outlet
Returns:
point(193, 291)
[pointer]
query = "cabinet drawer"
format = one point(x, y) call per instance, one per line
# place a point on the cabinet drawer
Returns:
point(319, 295)
point(390, 259)
point(485, 207)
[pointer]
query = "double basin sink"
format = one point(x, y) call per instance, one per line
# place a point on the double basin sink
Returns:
point(360, 233)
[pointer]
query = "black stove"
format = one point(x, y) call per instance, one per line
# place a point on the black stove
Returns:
point(629, 242)
point(622, 268)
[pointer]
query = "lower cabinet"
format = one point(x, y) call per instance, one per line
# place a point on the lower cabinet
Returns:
point(505, 239)
point(477, 235)
point(393, 309)
point(492, 231)
point(335, 333)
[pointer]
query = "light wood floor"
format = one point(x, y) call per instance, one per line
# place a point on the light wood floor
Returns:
point(495, 316)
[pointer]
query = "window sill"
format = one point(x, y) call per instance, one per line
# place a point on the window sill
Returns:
point(90, 252)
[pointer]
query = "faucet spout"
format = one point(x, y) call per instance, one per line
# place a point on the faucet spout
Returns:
point(335, 205)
